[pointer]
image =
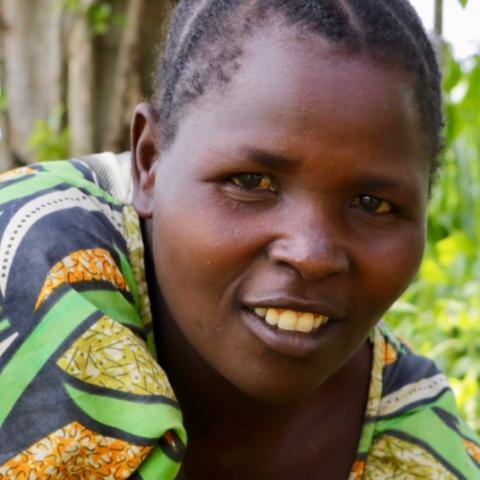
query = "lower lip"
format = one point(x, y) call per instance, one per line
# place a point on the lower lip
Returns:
point(292, 344)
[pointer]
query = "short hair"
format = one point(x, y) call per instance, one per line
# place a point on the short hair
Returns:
point(204, 45)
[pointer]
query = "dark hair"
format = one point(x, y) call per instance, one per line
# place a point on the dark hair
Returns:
point(204, 45)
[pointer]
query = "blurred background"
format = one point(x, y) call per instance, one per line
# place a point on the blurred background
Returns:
point(71, 72)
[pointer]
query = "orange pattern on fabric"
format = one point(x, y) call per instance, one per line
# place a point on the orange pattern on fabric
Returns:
point(357, 470)
point(389, 354)
point(75, 452)
point(82, 266)
point(473, 449)
point(17, 172)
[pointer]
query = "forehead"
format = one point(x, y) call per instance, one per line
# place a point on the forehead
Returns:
point(294, 91)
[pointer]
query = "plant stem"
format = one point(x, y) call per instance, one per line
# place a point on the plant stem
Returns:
point(438, 27)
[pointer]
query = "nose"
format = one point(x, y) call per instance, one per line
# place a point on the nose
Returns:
point(312, 248)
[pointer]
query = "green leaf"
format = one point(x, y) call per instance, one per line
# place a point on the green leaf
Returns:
point(456, 244)
point(100, 16)
point(49, 139)
point(71, 5)
point(452, 70)
point(433, 272)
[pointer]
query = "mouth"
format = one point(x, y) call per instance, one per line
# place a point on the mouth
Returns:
point(291, 320)
point(295, 333)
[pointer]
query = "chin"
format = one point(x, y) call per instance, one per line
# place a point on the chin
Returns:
point(276, 392)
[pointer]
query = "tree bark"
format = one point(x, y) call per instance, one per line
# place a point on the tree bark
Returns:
point(52, 59)
point(80, 83)
point(33, 67)
point(152, 38)
point(438, 18)
point(6, 160)
point(126, 80)
point(438, 29)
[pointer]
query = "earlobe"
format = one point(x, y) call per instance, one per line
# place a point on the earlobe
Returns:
point(145, 138)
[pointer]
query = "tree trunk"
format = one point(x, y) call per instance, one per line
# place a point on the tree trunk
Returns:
point(33, 67)
point(438, 29)
point(52, 59)
point(438, 18)
point(80, 83)
point(6, 160)
point(126, 80)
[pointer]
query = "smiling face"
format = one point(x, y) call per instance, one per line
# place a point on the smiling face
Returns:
point(288, 214)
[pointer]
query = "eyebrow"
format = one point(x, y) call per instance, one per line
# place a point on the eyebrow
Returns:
point(379, 183)
point(271, 160)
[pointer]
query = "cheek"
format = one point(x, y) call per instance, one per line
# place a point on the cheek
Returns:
point(201, 249)
point(201, 258)
point(390, 266)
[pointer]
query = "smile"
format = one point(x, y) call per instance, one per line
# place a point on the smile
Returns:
point(291, 320)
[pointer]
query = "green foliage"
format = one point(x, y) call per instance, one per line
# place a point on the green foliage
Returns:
point(49, 140)
point(100, 15)
point(3, 98)
point(72, 5)
point(440, 314)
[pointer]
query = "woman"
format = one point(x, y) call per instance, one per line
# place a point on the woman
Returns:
point(281, 176)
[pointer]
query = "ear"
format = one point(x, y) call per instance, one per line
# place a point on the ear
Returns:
point(145, 139)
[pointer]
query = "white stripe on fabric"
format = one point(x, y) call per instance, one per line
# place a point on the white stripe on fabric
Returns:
point(414, 392)
point(40, 207)
point(7, 342)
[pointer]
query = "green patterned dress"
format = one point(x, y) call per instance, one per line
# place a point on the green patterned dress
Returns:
point(81, 394)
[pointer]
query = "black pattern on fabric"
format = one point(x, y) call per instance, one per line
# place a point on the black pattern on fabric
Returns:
point(77, 363)
point(75, 372)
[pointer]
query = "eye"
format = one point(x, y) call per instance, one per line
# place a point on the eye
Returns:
point(373, 204)
point(254, 181)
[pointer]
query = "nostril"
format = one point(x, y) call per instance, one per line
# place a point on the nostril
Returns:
point(311, 260)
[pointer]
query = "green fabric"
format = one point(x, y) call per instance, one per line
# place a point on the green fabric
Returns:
point(114, 305)
point(75, 372)
point(412, 429)
point(155, 467)
point(77, 353)
point(38, 347)
point(149, 420)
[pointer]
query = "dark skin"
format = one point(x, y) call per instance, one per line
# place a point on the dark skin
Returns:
point(302, 185)
point(264, 433)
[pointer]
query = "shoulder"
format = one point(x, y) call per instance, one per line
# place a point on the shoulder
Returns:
point(415, 425)
point(33, 195)
point(105, 176)
point(73, 330)
point(53, 216)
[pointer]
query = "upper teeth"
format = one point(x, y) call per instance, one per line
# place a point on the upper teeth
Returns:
point(291, 320)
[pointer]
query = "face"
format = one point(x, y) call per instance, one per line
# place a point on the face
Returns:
point(289, 213)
